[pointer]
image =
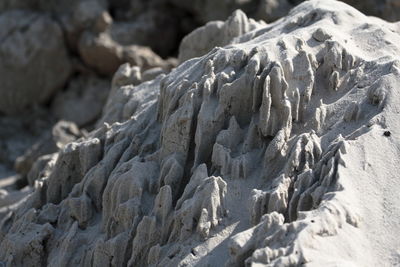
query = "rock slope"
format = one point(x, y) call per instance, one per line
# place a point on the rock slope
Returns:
point(66, 52)
point(280, 149)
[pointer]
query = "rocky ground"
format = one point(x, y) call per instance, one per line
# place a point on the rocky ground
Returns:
point(57, 58)
point(184, 152)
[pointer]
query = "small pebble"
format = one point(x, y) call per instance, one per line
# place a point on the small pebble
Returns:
point(387, 133)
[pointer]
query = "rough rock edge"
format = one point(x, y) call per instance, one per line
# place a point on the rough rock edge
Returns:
point(197, 127)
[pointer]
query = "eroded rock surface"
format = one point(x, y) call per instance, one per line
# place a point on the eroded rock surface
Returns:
point(216, 34)
point(245, 156)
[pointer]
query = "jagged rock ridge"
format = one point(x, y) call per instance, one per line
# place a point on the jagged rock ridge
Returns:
point(237, 157)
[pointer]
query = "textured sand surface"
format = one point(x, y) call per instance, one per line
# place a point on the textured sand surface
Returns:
point(57, 57)
point(280, 149)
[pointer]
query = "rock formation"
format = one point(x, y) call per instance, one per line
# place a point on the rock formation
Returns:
point(33, 60)
point(216, 34)
point(269, 151)
point(66, 50)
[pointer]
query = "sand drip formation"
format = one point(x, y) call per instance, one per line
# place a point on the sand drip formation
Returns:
point(278, 149)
